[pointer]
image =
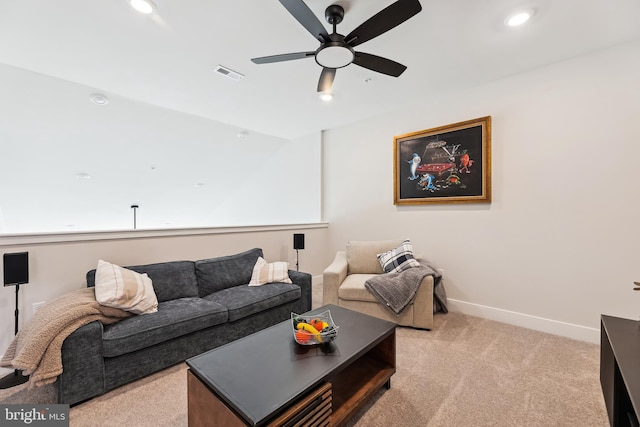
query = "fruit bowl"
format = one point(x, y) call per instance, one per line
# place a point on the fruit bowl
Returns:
point(314, 329)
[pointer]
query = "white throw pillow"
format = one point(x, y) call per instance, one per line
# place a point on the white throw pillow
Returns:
point(264, 272)
point(398, 259)
point(124, 289)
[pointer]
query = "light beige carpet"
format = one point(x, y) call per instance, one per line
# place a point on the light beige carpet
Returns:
point(466, 372)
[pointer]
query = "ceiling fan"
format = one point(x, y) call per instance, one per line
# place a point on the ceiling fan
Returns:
point(336, 51)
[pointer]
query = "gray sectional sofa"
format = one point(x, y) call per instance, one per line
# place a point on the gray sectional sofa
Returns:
point(201, 305)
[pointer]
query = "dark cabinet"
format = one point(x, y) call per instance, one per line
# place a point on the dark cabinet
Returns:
point(620, 369)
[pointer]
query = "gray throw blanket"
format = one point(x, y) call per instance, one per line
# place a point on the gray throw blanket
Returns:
point(397, 290)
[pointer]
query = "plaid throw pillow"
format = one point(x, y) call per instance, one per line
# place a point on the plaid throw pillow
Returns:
point(398, 259)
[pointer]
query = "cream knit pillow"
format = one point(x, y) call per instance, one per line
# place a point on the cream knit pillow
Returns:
point(264, 272)
point(124, 289)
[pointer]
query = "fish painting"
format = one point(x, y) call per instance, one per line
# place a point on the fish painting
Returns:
point(414, 162)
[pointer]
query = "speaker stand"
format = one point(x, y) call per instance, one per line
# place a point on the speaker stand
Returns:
point(15, 378)
point(297, 260)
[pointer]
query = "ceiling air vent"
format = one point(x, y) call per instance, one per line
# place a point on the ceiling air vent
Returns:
point(234, 75)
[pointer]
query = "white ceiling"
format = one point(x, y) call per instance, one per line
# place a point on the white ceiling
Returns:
point(168, 59)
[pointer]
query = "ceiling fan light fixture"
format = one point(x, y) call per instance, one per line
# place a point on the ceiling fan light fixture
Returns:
point(326, 96)
point(143, 6)
point(519, 18)
point(335, 55)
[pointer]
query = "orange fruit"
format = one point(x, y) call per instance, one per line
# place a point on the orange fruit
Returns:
point(317, 324)
point(303, 336)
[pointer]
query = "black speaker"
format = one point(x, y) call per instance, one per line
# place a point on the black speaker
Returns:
point(16, 268)
point(298, 241)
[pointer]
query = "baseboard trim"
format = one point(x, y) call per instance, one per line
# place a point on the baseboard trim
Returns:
point(569, 330)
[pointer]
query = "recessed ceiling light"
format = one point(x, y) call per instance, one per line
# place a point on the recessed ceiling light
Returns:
point(143, 6)
point(83, 175)
point(199, 185)
point(99, 99)
point(243, 134)
point(519, 18)
point(326, 96)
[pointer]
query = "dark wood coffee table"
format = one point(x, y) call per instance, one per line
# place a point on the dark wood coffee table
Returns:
point(268, 379)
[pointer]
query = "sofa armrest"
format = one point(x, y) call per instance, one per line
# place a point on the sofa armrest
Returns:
point(333, 277)
point(83, 365)
point(304, 281)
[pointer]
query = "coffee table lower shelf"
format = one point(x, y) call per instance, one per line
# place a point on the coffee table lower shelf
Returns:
point(354, 386)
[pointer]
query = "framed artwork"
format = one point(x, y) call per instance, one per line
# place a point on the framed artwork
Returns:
point(447, 164)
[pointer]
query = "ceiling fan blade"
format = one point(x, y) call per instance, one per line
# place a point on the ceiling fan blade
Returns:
point(305, 16)
point(326, 79)
point(388, 18)
point(379, 64)
point(282, 57)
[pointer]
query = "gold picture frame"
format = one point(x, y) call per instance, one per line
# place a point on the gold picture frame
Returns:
point(446, 164)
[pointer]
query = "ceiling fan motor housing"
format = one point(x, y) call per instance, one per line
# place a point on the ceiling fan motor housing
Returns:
point(334, 14)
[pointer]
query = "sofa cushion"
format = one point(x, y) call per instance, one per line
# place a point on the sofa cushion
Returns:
point(171, 280)
point(352, 288)
point(174, 318)
point(362, 256)
point(216, 274)
point(245, 300)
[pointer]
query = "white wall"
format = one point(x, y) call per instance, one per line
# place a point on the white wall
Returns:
point(57, 268)
point(557, 247)
point(284, 187)
point(141, 154)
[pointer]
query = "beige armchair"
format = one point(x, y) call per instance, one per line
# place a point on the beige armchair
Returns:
point(343, 285)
